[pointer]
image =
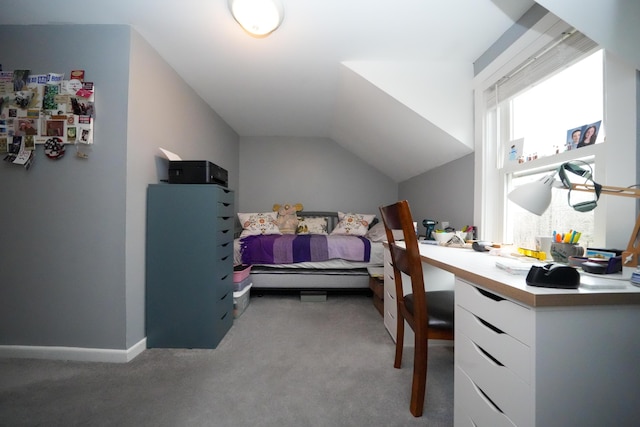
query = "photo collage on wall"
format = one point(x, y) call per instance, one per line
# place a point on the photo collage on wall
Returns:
point(44, 109)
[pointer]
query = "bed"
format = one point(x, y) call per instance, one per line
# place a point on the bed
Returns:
point(318, 262)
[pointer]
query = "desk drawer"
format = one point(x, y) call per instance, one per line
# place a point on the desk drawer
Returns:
point(508, 316)
point(224, 209)
point(472, 406)
point(388, 271)
point(225, 229)
point(513, 354)
point(225, 196)
point(509, 393)
point(390, 322)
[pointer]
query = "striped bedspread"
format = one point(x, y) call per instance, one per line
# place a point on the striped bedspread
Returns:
point(292, 248)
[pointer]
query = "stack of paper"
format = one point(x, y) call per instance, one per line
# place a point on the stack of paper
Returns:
point(513, 266)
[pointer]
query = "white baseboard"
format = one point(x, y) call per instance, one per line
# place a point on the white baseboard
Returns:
point(78, 354)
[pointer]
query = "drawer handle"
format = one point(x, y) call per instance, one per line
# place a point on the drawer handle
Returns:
point(224, 315)
point(489, 325)
point(490, 295)
point(224, 278)
point(391, 296)
point(488, 356)
point(224, 296)
point(224, 258)
point(487, 398)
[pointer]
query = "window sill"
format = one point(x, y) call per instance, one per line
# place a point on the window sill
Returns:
point(542, 163)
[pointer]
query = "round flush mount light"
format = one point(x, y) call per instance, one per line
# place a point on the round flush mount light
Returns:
point(258, 17)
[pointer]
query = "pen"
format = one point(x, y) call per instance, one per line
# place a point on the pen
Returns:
point(573, 237)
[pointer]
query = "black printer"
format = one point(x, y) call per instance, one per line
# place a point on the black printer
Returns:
point(197, 172)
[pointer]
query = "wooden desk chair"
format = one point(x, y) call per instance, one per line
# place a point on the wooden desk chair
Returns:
point(429, 314)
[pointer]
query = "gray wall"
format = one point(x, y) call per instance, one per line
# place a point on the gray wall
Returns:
point(442, 194)
point(316, 172)
point(72, 250)
point(177, 119)
point(62, 251)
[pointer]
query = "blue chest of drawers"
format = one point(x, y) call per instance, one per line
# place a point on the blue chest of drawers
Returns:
point(189, 265)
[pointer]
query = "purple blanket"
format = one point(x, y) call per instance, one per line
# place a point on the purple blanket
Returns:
point(291, 248)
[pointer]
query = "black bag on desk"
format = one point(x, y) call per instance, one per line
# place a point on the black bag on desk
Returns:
point(553, 276)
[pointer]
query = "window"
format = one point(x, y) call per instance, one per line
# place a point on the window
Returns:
point(512, 102)
point(543, 114)
point(556, 90)
point(544, 124)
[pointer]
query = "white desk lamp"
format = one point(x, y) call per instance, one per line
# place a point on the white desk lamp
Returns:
point(536, 198)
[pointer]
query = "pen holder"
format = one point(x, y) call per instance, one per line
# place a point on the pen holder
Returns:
point(560, 252)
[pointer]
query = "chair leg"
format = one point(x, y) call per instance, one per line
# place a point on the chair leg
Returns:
point(399, 341)
point(419, 384)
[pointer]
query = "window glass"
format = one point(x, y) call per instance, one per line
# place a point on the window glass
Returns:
point(544, 116)
point(523, 226)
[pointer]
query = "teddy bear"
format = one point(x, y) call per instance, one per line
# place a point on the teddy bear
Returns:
point(287, 219)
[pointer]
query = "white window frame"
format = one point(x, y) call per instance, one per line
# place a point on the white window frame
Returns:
point(615, 158)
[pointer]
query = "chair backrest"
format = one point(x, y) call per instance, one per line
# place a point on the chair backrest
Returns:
point(405, 258)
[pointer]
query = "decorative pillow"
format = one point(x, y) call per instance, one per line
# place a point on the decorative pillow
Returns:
point(353, 224)
point(258, 223)
point(312, 225)
point(377, 233)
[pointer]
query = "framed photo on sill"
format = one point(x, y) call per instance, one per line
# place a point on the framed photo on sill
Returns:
point(513, 151)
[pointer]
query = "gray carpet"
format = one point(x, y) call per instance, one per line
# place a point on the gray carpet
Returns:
point(283, 363)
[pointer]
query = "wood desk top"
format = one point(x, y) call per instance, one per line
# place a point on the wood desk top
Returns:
point(480, 268)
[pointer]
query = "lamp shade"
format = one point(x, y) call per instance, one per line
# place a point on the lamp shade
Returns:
point(534, 196)
point(257, 17)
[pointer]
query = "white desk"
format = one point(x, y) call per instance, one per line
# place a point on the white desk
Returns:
point(480, 268)
point(530, 356)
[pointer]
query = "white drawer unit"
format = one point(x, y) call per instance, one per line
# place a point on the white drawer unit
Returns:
point(493, 339)
point(500, 345)
point(512, 318)
point(540, 357)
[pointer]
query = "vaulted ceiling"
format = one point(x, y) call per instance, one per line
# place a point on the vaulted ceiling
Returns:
point(389, 80)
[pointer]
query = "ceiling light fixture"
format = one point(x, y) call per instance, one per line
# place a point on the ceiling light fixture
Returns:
point(258, 17)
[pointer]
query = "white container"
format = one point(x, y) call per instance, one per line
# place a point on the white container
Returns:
point(240, 286)
point(241, 301)
point(442, 238)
